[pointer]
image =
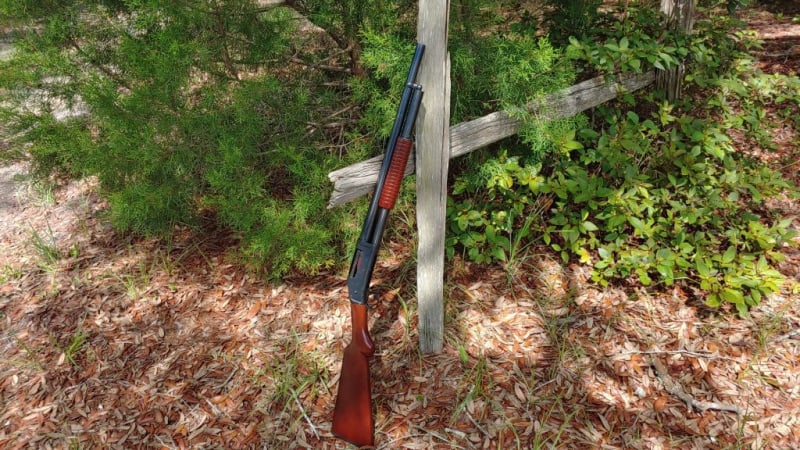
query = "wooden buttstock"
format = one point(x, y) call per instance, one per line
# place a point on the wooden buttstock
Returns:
point(352, 414)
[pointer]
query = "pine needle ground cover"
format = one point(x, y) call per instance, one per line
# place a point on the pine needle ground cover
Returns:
point(137, 343)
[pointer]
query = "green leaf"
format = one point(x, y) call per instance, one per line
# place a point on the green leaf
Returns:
point(665, 271)
point(713, 301)
point(756, 296)
point(572, 145)
point(729, 255)
point(741, 308)
point(762, 264)
point(665, 254)
point(732, 296)
point(499, 254)
point(584, 256)
point(702, 268)
point(636, 223)
point(616, 221)
point(644, 277)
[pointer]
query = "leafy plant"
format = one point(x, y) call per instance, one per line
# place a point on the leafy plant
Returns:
point(670, 202)
point(634, 44)
point(498, 232)
point(572, 18)
point(664, 198)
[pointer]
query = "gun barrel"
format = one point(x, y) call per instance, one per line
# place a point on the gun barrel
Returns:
point(367, 248)
point(399, 119)
point(413, 109)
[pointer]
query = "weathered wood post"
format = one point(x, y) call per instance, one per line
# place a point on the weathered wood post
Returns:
point(432, 161)
point(680, 15)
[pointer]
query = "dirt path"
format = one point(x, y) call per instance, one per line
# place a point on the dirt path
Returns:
point(781, 49)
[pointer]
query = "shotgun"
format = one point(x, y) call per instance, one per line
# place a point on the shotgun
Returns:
point(352, 414)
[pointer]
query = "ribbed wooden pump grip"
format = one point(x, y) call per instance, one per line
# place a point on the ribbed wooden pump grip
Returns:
point(396, 171)
point(402, 149)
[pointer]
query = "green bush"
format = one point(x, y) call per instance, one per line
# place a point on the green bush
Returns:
point(664, 198)
point(195, 112)
point(670, 199)
point(572, 18)
point(188, 113)
point(635, 44)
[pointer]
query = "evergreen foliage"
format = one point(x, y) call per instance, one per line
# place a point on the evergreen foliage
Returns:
point(186, 115)
point(193, 111)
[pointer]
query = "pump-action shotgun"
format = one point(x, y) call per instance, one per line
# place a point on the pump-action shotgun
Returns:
point(352, 414)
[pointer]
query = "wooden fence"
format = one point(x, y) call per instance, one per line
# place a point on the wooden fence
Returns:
point(437, 143)
point(359, 179)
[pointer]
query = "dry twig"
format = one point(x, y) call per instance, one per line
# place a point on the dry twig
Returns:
point(675, 352)
point(786, 336)
point(674, 388)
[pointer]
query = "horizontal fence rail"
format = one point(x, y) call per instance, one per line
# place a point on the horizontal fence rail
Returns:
point(359, 179)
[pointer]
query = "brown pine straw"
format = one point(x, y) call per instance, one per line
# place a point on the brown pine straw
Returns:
point(184, 350)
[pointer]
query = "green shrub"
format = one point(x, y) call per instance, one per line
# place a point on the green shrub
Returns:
point(664, 198)
point(572, 18)
point(188, 112)
point(635, 44)
point(491, 214)
point(670, 199)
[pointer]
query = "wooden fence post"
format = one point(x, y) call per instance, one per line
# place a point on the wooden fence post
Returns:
point(680, 15)
point(432, 161)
